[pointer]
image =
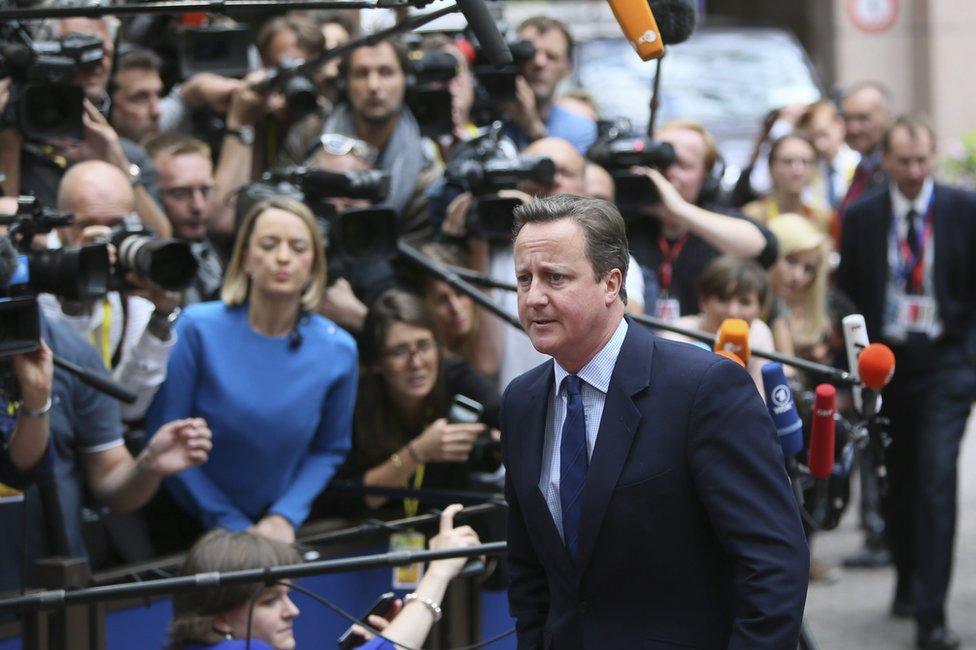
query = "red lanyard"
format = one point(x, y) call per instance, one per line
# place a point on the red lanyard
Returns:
point(913, 266)
point(670, 252)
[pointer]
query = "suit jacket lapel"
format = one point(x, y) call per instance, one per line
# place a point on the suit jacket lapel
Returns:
point(941, 231)
point(618, 424)
point(533, 416)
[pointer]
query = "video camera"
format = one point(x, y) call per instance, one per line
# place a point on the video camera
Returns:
point(486, 165)
point(292, 80)
point(354, 234)
point(617, 152)
point(220, 49)
point(168, 263)
point(495, 87)
point(427, 97)
point(45, 102)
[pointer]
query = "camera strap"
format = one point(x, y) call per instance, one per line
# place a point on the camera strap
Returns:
point(104, 344)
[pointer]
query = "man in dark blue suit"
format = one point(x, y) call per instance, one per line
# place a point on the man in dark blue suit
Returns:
point(649, 507)
point(907, 262)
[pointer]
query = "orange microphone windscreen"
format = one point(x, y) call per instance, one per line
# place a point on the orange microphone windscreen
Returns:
point(733, 336)
point(730, 355)
point(639, 27)
point(876, 365)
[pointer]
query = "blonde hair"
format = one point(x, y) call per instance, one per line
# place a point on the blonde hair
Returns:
point(237, 285)
point(711, 147)
point(796, 233)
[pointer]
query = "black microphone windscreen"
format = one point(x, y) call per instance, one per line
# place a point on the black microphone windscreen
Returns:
point(8, 261)
point(676, 19)
point(486, 31)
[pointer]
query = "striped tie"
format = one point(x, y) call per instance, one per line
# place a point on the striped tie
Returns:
point(573, 463)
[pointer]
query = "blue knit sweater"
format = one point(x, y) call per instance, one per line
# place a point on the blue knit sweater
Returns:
point(281, 417)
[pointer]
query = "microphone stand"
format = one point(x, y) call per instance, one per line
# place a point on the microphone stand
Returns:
point(59, 598)
point(99, 382)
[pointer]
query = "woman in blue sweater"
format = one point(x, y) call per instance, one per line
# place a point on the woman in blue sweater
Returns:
point(276, 382)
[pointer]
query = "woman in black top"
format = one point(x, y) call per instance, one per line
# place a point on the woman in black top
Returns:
point(407, 386)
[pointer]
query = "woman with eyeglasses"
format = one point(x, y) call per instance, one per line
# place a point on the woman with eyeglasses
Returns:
point(217, 619)
point(792, 164)
point(276, 382)
point(402, 436)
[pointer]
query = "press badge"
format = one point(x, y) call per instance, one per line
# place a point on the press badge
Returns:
point(906, 314)
point(407, 577)
point(10, 495)
point(667, 309)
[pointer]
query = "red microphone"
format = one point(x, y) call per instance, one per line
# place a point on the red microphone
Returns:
point(876, 366)
point(820, 456)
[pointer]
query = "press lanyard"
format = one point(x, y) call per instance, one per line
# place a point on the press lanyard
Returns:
point(912, 265)
point(105, 345)
point(670, 253)
point(410, 506)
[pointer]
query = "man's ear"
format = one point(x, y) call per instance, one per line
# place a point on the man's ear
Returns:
point(615, 280)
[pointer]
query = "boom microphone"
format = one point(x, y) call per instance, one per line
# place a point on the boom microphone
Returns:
point(650, 25)
point(486, 31)
point(675, 18)
point(855, 340)
point(782, 408)
point(822, 432)
point(733, 336)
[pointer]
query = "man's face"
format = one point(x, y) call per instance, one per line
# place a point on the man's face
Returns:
point(102, 202)
point(185, 182)
point(550, 65)
point(564, 309)
point(375, 83)
point(135, 103)
point(688, 171)
point(94, 81)
point(866, 119)
point(283, 46)
point(909, 160)
point(569, 168)
point(826, 132)
point(598, 183)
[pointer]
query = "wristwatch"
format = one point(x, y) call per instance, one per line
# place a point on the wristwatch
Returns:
point(245, 134)
point(135, 174)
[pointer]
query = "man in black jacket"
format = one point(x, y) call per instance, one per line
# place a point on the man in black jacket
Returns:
point(907, 263)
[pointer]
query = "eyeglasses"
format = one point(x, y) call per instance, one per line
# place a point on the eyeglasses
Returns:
point(342, 145)
point(403, 352)
point(183, 193)
point(793, 162)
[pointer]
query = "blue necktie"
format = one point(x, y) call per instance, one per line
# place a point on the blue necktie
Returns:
point(573, 462)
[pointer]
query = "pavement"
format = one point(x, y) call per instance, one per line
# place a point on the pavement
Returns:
point(852, 613)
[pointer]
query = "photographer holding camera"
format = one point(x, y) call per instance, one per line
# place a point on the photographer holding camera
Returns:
point(132, 333)
point(535, 114)
point(677, 236)
point(374, 78)
point(45, 157)
point(401, 433)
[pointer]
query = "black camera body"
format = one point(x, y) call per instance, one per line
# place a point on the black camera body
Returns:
point(486, 453)
point(45, 102)
point(617, 152)
point(427, 97)
point(168, 263)
point(486, 166)
point(291, 79)
point(495, 87)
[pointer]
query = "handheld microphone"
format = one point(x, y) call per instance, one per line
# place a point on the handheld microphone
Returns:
point(649, 25)
point(733, 336)
point(855, 340)
point(820, 456)
point(486, 31)
point(875, 367)
point(782, 408)
point(639, 27)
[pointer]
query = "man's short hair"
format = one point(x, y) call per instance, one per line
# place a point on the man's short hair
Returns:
point(402, 55)
point(309, 35)
point(138, 59)
point(543, 24)
point(603, 228)
point(711, 148)
point(915, 125)
point(887, 98)
point(176, 144)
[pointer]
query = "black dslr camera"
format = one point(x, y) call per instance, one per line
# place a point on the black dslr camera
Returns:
point(617, 152)
point(45, 102)
point(427, 97)
point(486, 165)
point(495, 87)
point(168, 263)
